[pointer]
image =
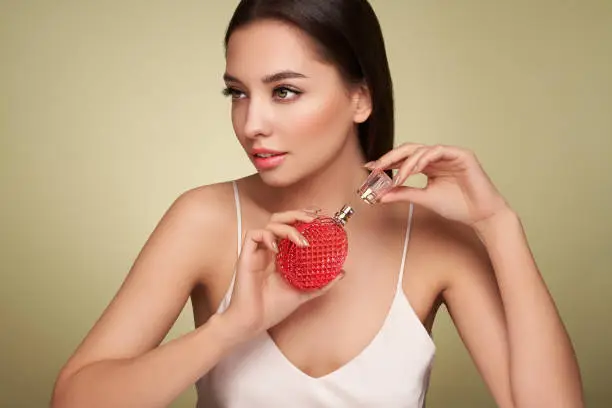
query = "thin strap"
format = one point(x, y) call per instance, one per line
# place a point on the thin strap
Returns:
point(228, 295)
point(406, 240)
point(238, 215)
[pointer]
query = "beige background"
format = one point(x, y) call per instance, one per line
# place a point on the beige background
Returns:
point(111, 109)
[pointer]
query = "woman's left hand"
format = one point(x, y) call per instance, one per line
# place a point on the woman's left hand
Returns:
point(457, 186)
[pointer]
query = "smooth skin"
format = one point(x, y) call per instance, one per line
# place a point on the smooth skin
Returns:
point(539, 365)
point(467, 250)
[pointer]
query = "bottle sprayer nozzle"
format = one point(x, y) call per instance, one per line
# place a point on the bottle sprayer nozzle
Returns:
point(344, 214)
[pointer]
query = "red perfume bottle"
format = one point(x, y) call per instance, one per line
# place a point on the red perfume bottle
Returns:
point(314, 266)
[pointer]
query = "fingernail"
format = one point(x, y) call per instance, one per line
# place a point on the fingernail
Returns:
point(369, 164)
point(304, 242)
point(275, 246)
point(312, 211)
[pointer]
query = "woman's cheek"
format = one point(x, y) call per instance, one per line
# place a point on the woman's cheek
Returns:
point(315, 120)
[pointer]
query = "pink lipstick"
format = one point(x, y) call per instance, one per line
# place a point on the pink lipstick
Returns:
point(267, 159)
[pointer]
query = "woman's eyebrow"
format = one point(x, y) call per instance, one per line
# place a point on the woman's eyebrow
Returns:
point(278, 76)
point(282, 75)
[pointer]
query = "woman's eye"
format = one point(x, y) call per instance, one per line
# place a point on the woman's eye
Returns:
point(234, 93)
point(285, 93)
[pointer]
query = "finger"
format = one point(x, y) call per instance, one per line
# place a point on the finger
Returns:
point(255, 239)
point(290, 217)
point(408, 194)
point(270, 241)
point(393, 158)
point(388, 165)
point(312, 210)
point(252, 242)
point(407, 168)
point(436, 154)
point(286, 231)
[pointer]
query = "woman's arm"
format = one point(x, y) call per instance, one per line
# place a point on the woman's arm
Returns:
point(495, 294)
point(507, 318)
point(543, 368)
point(153, 379)
point(119, 364)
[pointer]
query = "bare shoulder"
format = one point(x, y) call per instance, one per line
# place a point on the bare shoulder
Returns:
point(204, 203)
point(177, 256)
point(456, 251)
point(206, 217)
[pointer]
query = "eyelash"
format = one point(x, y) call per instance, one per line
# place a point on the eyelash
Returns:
point(229, 91)
point(233, 92)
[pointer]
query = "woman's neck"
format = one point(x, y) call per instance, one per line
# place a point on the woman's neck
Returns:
point(329, 189)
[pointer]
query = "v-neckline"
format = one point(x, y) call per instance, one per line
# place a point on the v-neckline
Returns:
point(347, 365)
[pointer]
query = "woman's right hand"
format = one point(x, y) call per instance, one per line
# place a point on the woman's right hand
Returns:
point(261, 298)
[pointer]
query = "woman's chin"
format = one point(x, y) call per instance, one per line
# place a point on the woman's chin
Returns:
point(278, 179)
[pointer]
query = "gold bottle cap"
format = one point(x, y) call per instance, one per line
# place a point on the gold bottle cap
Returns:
point(344, 214)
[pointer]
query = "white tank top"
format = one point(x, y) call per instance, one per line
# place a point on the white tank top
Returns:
point(391, 372)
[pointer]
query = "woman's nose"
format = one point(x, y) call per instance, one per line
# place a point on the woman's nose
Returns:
point(257, 123)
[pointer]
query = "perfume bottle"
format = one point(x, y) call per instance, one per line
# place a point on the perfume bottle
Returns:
point(316, 265)
point(376, 185)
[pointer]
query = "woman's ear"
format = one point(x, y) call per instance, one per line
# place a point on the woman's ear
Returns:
point(362, 103)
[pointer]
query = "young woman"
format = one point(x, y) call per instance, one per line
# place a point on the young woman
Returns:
point(312, 107)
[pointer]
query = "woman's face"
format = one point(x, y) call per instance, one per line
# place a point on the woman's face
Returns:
point(291, 112)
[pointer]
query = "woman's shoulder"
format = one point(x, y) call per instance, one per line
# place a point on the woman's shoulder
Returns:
point(204, 218)
point(205, 204)
point(454, 246)
point(440, 230)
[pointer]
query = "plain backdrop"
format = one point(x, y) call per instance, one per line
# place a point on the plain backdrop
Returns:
point(110, 110)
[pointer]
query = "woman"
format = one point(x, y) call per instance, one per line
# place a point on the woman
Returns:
point(311, 104)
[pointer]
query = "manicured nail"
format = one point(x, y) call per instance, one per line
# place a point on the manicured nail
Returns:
point(312, 210)
point(301, 240)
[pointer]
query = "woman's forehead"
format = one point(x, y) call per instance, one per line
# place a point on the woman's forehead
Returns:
point(265, 47)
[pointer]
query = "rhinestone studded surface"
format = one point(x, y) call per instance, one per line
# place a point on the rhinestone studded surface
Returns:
point(314, 266)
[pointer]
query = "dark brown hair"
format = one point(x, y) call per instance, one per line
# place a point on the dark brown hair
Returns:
point(348, 36)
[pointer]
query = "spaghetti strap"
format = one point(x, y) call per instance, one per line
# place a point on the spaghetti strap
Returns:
point(395, 364)
point(406, 240)
point(238, 215)
point(226, 299)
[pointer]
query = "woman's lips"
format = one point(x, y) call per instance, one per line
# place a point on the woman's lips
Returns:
point(268, 161)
